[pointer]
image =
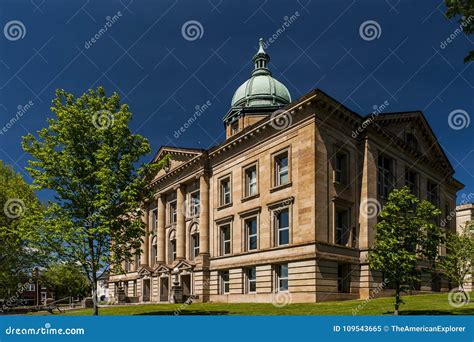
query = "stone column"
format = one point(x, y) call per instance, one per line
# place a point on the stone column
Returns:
point(161, 229)
point(204, 215)
point(180, 224)
point(144, 246)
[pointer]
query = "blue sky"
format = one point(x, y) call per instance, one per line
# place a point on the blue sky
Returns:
point(163, 76)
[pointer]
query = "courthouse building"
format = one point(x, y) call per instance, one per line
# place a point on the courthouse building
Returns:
point(286, 206)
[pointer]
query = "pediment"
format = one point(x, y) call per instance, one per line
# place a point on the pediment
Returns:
point(161, 269)
point(144, 270)
point(184, 265)
point(176, 157)
point(401, 124)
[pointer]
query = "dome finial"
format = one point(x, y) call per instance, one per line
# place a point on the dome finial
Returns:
point(261, 60)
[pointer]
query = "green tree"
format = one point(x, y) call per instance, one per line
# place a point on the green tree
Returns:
point(18, 207)
point(405, 234)
point(465, 9)
point(89, 157)
point(457, 264)
point(65, 281)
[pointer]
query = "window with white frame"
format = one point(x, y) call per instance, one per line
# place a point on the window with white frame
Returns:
point(225, 191)
point(282, 175)
point(172, 212)
point(30, 287)
point(250, 181)
point(194, 205)
point(251, 277)
point(154, 250)
point(194, 240)
point(251, 233)
point(224, 282)
point(172, 246)
point(225, 238)
point(281, 277)
point(154, 220)
point(282, 226)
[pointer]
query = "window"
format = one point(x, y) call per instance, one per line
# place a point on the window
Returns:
point(411, 141)
point(251, 233)
point(172, 247)
point(225, 194)
point(154, 221)
point(343, 278)
point(385, 178)
point(282, 277)
point(282, 227)
point(225, 239)
point(30, 287)
point(135, 292)
point(251, 181)
point(341, 168)
point(195, 204)
point(137, 259)
point(154, 250)
point(282, 176)
point(127, 266)
point(172, 212)
point(251, 276)
point(194, 245)
point(224, 275)
point(234, 128)
point(342, 227)
point(411, 180)
point(432, 192)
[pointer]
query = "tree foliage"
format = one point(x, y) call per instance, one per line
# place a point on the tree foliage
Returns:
point(405, 234)
point(89, 157)
point(464, 9)
point(18, 208)
point(457, 264)
point(65, 280)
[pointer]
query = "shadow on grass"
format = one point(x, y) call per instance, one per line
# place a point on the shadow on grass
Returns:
point(184, 313)
point(466, 311)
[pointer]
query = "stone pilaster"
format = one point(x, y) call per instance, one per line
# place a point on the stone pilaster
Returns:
point(144, 246)
point(204, 217)
point(180, 224)
point(161, 229)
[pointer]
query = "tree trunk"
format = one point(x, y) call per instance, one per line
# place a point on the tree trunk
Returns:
point(94, 295)
point(397, 300)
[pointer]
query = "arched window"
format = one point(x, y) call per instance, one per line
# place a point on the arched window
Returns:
point(154, 250)
point(194, 241)
point(172, 246)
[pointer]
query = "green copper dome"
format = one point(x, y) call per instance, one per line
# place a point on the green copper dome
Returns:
point(261, 90)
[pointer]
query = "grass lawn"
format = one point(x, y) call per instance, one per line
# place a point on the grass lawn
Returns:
point(431, 304)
